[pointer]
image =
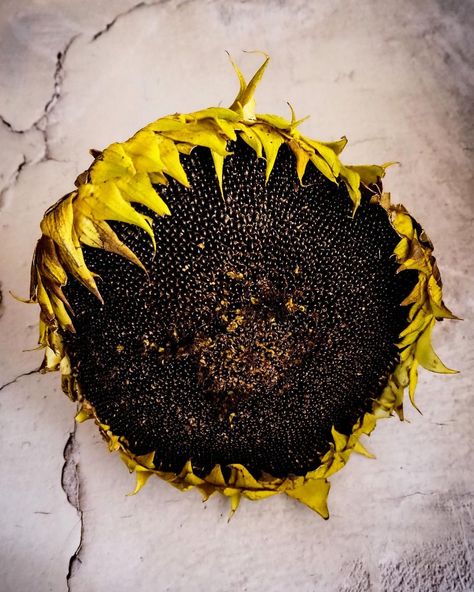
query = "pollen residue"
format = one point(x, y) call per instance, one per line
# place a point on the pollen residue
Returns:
point(258, 336)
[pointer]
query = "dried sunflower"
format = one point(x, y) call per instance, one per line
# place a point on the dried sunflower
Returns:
point(232, 305)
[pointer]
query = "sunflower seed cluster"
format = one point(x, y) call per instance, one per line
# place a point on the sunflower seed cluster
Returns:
point(268, 315)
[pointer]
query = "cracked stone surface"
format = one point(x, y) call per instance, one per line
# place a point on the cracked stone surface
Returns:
point(397, 79)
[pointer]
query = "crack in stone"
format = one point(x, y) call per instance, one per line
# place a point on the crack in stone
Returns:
point(119, 16)
point(41, 124)
point(110, 24)
point(11, 128)
point(29, 373)
point(71, 484)
point(401, 497)
point(13, 180)
point(45, 136)
point(58, 79)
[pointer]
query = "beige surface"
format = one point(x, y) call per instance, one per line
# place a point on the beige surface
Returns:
point(397, 79)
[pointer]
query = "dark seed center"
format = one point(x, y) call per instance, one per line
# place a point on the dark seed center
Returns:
point(267, 317)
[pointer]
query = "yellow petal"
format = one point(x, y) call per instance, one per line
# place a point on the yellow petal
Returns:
point(413, 376)
point(234, 503)
point(417, 293)
point(242, 479)
point(302, 158)
point(322, 166)
point(251, 138)
point(352, 181)
point(225, 128)
point(440, 310)
point(51, 360)
point(425, 354)
point(242, 83)
point(271, 141)
point(244, 101)
point(58, 224)
point(313, 494)
point(295, 123)
point(139, 189)
point(44, 301)
point(418, 324)
point(142, 478)
point(186, 470)
point(187, 475)
point(146, 460)
point(105, 202)
point(158, 178)
point(340, 440)
point(403, 224)
point(218, 160)
point(82, 416)
point(360, 449)
point(202, 133)
point(184, 148)
point(337, 463)
point(194, 480)
point(368, 424)
point(113, 163)
point(258, 495)
point(47, 262)
point(326, 154)
point(216, 477)
point(216, 113)
point(172, 164)
point(167, 124)
point(369, 174)
point(143, 149)
point(275, 121)
point(60, 313)
point(337, 146)
point(98, 234)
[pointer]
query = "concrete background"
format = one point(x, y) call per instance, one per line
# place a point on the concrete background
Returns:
point(397, 78)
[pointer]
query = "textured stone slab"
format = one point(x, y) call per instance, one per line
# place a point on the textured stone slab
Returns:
point(397, 80)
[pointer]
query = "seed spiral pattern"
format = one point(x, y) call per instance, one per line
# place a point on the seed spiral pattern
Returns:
point(268, 315)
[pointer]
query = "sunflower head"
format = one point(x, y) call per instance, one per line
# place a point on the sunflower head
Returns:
point(232, 305)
